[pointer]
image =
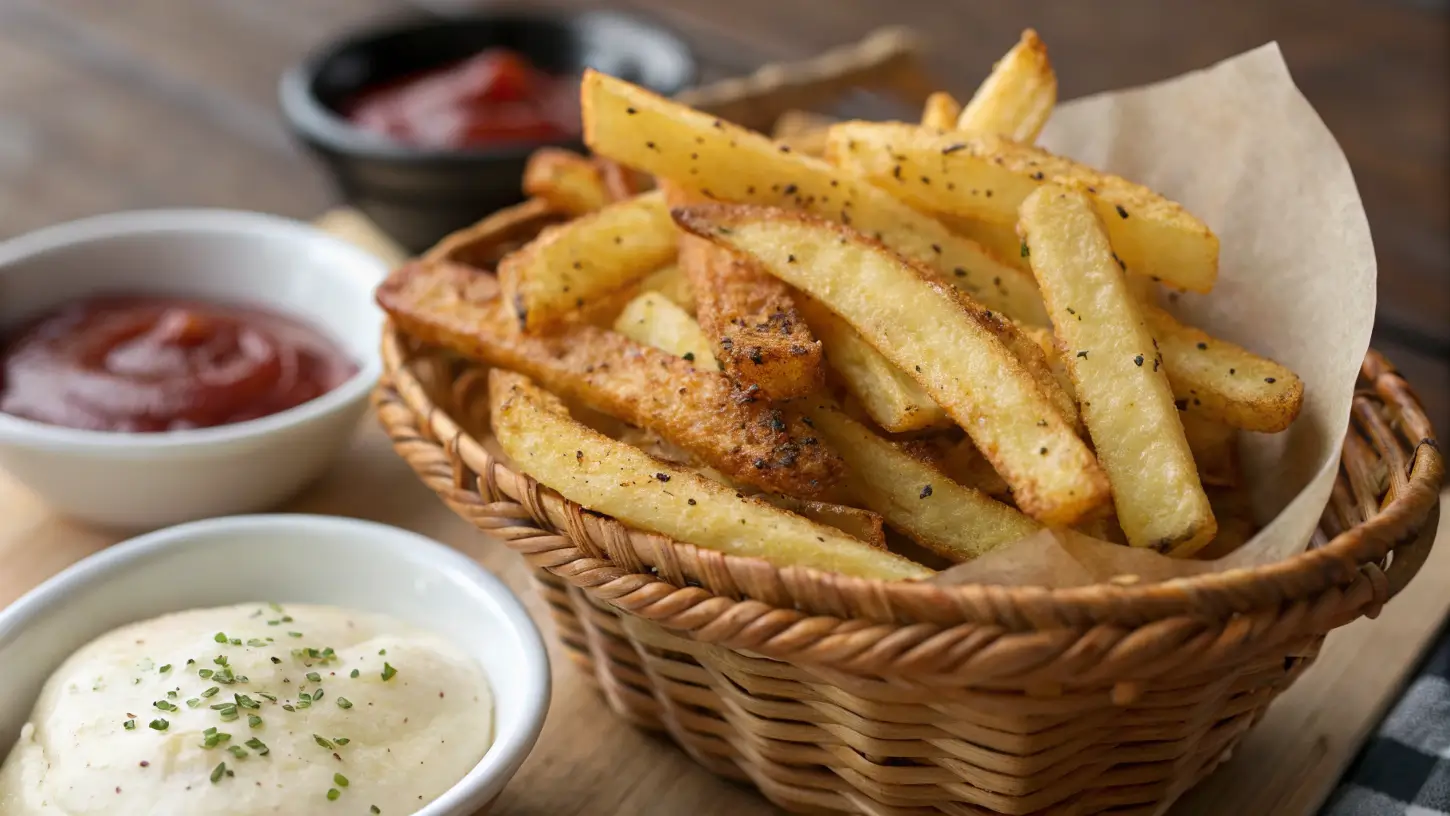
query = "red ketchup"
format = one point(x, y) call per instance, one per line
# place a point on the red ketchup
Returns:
point(494, 97)
point(151, 364)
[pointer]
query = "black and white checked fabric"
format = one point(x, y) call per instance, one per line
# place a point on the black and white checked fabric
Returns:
point(1405, 768)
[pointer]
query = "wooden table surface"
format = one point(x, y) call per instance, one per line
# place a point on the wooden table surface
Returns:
point(107, 106)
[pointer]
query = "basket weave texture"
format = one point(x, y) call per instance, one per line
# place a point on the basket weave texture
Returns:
point(833, 694)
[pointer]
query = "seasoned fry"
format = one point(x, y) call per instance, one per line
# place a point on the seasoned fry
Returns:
point(696, 410)
point(942, 110)
point(1215, 448)
point(760, 339)
point(853, 521)
point(949, 345)
point(968, 467)
point(570, 182)
point(1000, 239)
point(988, 177)
point(569, 265)
point(651, 319)
point(802, 131)
point(1126, 401)
point(624, 482)
point(1224, 381)
point(918, 499)
point(891, 398)
point(726, 162)
point(673, 284)
point(1017, 97)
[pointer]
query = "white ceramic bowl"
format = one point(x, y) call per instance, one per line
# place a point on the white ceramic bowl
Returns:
point(298, 559)
point(144, 481)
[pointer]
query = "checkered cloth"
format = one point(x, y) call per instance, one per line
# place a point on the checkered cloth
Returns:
point(1405, 768)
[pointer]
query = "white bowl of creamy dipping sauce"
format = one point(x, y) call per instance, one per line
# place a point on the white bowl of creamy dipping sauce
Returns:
point(435, 612)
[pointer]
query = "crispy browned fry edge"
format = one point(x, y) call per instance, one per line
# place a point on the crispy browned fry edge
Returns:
point(761, 341)
point(697, 410)
point(565, 179)
point(986, 388)
point(620, 182)
point(1224, 381)
point(866, 525)
point(1017, 97)
point(941, 111)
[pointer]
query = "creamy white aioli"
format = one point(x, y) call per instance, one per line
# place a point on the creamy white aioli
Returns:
point(398, 743)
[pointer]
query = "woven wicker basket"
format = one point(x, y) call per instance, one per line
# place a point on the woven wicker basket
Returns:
point(834, 694)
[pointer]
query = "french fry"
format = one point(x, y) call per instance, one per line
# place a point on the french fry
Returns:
point(941, 111)
point(1000, 239)
point(570, 182)
point(802, 131)
point(1126, 401)
point(853, 521)
point(1215, 449)
point(968, 467)
point(932, 332)
point(1223, 381)
point(987, 178)
point(652, 320)
point(1017, 97)
point(619, 480)
point(918, 499)
point(620, 182)
point(697, 410)
point(761, 341)
point(726, 162)
point(673, 284)
point(891, 398)
point(569, 265)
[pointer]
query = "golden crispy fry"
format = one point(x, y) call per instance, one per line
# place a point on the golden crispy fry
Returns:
point(726, 162)
point(570, 182)
point(696, 410)
point(760, 339)
point(891, 398)
point(988, 177)
point(853, 521)
point(1126, 401)
point(1000, 239)
point(624, 482)
point(916, 498)
point(1223, 381)
point(651, 319)
point(802, 131)
point(673, 284)
point(1215, 448)
point(570, 265)
point(1017, 97)
point(946, 343)
point(942, 110)
point(967, 466)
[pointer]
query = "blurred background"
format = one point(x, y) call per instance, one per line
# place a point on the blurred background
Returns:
point(107, 106)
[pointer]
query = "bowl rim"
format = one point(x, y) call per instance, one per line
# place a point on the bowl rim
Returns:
point(321, 126)
point(504, 754)
point(365, 268)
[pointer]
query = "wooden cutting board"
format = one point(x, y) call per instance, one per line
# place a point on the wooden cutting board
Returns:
point(588, 762)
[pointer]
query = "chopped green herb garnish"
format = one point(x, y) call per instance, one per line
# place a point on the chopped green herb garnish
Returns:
point(317, 695)
point(343, 702)
point(256, 642)
point(340, 780)
point(314, 677)
point(237, 751)
point(304, 697)
point(253, 721)
point(193, 702)
point(288, 707)
point(165, 669)
point(294, 634)
point(258, 746)
point(205, 674)
point(160, 725)
point(264, 695)
point(211, 692)
point(382, 652)
point(236, 641)
point(341, 741)
point(164, 705)
point(129, 725)
point(388, 671)
point(375, 809)
point(247, 702)
point(217, 772)
point(276, 661)
point(332, 794)
point(223, 706)
point(171, 695)
point(221, 637)
point(354, 673)
point(324, 742)
point(220, 660)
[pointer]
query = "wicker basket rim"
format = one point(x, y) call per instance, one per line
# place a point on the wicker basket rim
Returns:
point(1209, 595)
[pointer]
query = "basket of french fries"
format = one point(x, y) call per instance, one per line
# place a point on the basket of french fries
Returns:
point(911, 468)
